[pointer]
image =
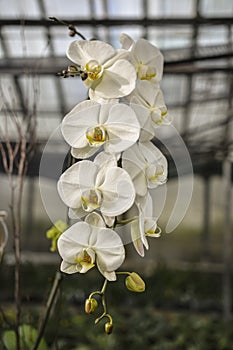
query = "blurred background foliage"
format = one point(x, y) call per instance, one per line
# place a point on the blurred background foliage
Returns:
point(178, 310)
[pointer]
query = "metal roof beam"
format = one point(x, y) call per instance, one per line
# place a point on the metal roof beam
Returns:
point(52, 65)
point(109, 22)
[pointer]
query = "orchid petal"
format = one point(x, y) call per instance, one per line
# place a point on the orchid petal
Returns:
point(76, 123)
point(81, 244)
point(74, 239)
point(143, 114)
point(154, 156)
point(95, 219)
point(69, 268)
point(122, 127)
point(134, 163)
point(82, 51)
point(109, 220)
point(118, 192)
point(106, 159)
point(136, 238)
point(117, 81)
point(74, 180)
point(147, 54)
point(126, 41)
point(84, 152)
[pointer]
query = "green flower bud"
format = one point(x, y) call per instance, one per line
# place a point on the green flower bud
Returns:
point(55, 232)
point(135, 283)
point(90, 305)
point(108, 328)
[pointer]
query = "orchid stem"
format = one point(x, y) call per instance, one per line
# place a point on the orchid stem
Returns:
point(126, 221)
point(104, 286)
point(123, 273)
point(70, 26)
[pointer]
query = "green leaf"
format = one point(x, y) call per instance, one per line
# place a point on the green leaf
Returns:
point(28, 336)
point(9, 340)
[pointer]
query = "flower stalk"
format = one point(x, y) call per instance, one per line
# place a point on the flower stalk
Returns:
point(72, 30)
point(118, 165)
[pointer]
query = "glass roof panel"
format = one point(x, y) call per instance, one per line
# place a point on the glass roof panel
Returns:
point(46, 126)
point(176, 114)
point(99, 9)
point(68, 9)
point(174, 88)
point(7, 87)
point(171, 8)
point(119, 8)
point(209, 86)
point(60, 40)
point(48, 99)
point(190, 96)
point(216, 8)
point(212, 35)
point(24, 41)
point(114, 32)
point(208, 114)
point(19, 9)
point(75, 91)
point(172, 37)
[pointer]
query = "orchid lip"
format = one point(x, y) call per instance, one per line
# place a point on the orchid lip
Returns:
point(93, 69)
point(91, 200)
point(96, 135)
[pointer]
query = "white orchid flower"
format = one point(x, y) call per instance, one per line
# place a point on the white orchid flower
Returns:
point(143, 227)
point(85, 244)
point(87, 186)
point(91, 125)
point(146, 165)
point(150, 97)
point(146, 58)
point(107, 72)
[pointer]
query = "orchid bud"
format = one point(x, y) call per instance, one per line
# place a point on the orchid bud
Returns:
point(55, 232)
point(84, 76)
point(90, 305)
point(72, 70)
point(72, 33)
point(135, 283)
point(108, 327)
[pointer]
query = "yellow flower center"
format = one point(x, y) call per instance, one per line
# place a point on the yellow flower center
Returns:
point(86, 257)
point(145, 72)
point(154, 172)
point(91, 200)
point(93, 69)
point(85, 260)
point(150, 232)
point(96, 136)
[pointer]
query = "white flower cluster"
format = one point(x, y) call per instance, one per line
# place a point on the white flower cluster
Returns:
point(111, 136)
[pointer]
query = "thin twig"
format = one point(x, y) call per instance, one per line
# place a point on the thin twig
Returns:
point(49, 305)
point(16, 155)
point(70, 26)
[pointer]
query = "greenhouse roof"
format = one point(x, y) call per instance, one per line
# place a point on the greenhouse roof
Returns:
point(196, 38)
